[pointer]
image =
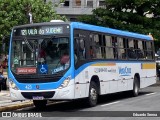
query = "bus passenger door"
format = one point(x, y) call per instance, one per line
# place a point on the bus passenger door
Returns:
point(81, 72)
point(81, 84)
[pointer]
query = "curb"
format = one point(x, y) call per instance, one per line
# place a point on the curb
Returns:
point(15, 106)
point(157, 84)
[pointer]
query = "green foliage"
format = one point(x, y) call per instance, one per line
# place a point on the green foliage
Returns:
point(129, 15)
point(15, 12)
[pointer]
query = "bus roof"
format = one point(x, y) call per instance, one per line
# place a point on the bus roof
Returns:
point(110, 31)
point(41, 24)
point(93, 28)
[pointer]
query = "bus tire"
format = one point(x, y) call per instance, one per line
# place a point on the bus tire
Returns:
point(40, 103)
point(93, 95)
point(136, 87)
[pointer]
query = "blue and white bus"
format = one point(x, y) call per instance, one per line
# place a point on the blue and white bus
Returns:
point(72, 60)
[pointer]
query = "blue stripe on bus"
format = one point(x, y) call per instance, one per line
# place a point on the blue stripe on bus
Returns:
point(80, 69)
point(109, 31)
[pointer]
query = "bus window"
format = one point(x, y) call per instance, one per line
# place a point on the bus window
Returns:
point(79, 45)
point(144, 49)
point(114, 45)
point(149, 50)
point(91, 47)
point(131, 50)
point(82, 51)
point(108, 47)
point(121, 50)
point(97, 46)
point(140, 51)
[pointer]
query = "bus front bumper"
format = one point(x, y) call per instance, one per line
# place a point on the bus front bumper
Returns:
point(66, 93)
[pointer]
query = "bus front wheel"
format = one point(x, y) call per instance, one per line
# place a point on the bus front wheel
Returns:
point(93, 94)
point(136, 87)
point(40, 103)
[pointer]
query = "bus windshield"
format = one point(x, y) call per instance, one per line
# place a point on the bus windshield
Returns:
point(43, 55)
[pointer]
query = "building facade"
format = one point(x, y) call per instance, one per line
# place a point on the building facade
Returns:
point(74, 8)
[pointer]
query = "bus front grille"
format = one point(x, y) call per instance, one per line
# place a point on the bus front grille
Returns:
point(30, 95)
point(37, 78)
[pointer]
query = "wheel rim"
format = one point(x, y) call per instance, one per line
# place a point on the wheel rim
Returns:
point(93, 94)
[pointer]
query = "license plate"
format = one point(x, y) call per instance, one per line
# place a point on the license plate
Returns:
point(38, 97)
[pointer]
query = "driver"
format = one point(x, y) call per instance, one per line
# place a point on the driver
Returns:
point(65, 58)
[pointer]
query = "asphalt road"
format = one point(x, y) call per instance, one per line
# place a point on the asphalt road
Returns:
point(119, 106)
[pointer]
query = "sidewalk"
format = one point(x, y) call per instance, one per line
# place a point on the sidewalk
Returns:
point(157, 84)
point(7, 105)
point(5, 101)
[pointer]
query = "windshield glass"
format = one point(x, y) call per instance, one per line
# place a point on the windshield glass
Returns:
point(40, 56)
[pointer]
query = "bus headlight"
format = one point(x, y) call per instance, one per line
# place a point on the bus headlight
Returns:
point(12, 85)
point(65, 83)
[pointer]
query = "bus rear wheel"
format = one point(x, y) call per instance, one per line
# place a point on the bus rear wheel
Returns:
point(40, 103)
point(93, 95)
point(136, 87)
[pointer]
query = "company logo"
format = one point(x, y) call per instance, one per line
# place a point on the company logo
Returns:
point(37, 86)
point(124, 71)
point(97, 70)
point(112, 70)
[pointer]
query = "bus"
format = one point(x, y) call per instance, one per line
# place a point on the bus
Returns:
point(72, 60)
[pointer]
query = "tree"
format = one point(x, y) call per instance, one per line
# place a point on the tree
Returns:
point(129, 15)
point(15, 12)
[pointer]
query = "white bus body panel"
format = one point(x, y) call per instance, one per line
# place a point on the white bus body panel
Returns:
point(115, 77)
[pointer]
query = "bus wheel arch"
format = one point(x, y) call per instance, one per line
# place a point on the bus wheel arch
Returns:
point(94, 91)
point(136, 85)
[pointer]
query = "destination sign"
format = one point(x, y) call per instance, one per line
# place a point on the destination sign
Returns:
point(39, 30)
point(42, 31)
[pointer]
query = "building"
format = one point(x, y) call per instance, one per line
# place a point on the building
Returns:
point(73, 8)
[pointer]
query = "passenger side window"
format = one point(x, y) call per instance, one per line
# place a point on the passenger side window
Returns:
point(149, 53)
point(114, 45)
point(131, 50)
point(121, 50)
point(140, 51)
point(97, 46)
point(108, 47)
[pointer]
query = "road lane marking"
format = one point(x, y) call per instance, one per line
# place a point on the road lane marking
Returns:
point(134, 99)
point(150, 94)
point(110, 103)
